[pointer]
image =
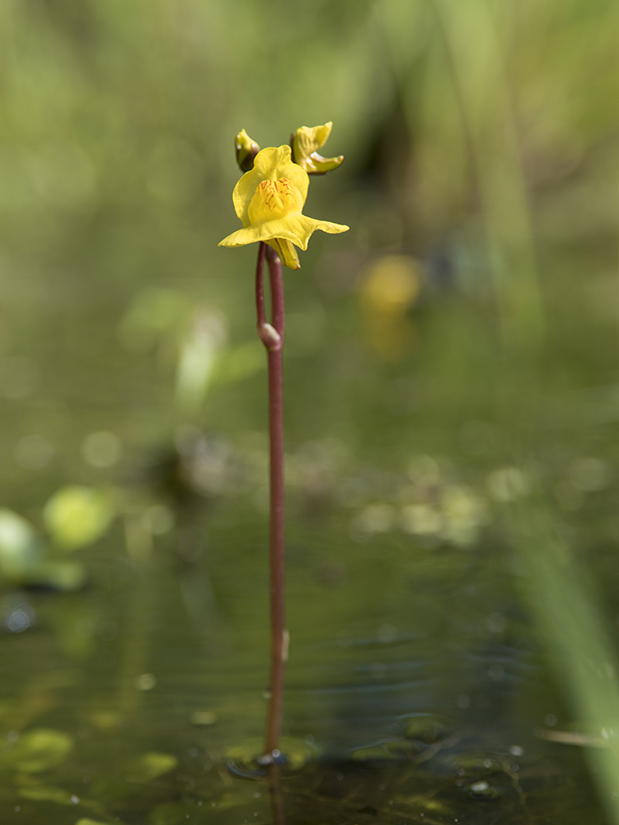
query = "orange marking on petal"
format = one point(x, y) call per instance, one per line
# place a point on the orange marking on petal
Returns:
point(276, 198)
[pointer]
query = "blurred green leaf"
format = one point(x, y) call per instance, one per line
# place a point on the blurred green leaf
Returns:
point(20, 548)
point(24, 560)
point(46, 793)
point(37, 750)
point(151, 765)
point(77, 516)
point(86, 821)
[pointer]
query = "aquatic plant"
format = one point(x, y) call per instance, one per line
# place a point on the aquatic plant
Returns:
point(269, 200)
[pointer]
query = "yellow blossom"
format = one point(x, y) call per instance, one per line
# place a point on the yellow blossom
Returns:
point(269, 200)
point(306, 141)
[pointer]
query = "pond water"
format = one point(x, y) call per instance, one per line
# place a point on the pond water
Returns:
point(415, 690)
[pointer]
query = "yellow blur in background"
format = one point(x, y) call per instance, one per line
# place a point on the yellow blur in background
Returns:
point(389, 290)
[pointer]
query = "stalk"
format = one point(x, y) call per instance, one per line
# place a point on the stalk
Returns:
point(272, 336)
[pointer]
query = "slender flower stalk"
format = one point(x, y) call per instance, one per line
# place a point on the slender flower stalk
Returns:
point(272, 336)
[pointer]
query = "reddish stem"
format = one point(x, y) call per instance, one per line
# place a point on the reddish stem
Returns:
point(272, 336)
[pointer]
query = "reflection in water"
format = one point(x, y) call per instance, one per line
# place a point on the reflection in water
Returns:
point(276, 794)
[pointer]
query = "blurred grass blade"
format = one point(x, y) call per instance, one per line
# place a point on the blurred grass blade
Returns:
point(567, 612)
point(483, 93)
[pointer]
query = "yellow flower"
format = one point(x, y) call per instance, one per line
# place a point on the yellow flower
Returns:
point(269, 199)
point(306, 141)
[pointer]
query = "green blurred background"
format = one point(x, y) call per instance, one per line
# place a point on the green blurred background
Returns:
point(451, 361)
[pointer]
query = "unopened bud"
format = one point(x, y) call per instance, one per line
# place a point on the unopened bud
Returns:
point(306, 141)
point(246, 151)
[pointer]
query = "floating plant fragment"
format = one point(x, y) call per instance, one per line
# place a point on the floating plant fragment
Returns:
point(86, 821)
point(47, 793)
point(427, 804)
point(388, 750)
point(150, 766)
point(484, 790)
point(477, 764)
point(426, 729)
point(37, 750)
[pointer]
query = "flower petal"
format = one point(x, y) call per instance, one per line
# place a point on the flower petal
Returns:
point(305, 143)
point(272, 163)
point(297, 228)
point(242, 237)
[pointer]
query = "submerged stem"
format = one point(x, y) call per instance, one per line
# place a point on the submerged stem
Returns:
point(272, 336)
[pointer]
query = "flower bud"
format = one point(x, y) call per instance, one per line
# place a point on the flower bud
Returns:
point(305, 142)
point(246, 151)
